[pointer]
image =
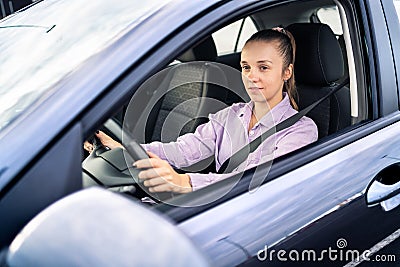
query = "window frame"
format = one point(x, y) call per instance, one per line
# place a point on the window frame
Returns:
point(180, 42)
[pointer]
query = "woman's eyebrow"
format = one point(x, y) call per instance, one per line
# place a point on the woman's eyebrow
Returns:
point(259, 61)
point(264, 61)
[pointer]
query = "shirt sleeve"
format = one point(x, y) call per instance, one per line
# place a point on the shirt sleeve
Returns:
point(189, 148)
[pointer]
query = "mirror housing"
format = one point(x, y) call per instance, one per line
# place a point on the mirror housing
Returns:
point(95, 227)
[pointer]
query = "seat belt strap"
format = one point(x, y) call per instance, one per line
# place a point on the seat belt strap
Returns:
point(236, 159)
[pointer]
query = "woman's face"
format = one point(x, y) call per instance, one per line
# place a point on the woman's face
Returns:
point(262, 73)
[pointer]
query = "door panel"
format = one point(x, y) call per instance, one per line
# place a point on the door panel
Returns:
point(325, 195)
point(56, 174)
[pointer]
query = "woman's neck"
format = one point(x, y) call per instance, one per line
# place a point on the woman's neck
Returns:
point(260, 109)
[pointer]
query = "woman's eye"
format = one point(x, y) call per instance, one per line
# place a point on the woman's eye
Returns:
point(264, 67)
point(245, 67)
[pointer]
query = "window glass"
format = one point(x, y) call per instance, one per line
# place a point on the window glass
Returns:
point(231, 38)
point(331, 17)
point(397, 6)
point(248, 29)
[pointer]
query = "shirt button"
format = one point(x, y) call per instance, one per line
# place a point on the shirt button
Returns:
point(251, 132)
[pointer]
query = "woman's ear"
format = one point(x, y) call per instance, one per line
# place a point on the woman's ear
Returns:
point(288, 72)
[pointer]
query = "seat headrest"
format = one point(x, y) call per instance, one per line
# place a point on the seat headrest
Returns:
point(319, 60)
point(204, 51)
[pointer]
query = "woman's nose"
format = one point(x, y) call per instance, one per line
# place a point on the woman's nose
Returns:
point(252, 75)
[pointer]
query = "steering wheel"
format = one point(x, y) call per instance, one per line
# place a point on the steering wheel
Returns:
point(114, 169)
point(137, 152)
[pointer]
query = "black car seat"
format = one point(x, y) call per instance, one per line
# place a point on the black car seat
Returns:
point(197, 82)
point(318, 66)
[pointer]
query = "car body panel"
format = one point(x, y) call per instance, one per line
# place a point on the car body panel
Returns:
point(57, 172)
point(296, 200)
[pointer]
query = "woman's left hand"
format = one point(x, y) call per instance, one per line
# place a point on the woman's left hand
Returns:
point(159, 176)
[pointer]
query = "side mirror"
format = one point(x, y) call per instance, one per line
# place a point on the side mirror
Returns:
point(96, 227)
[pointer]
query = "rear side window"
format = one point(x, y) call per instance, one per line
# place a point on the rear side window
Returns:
point(331, 17)
point(231, 38)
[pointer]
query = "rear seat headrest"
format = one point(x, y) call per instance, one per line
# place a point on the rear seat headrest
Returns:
point(204, 51)
point(319, 60)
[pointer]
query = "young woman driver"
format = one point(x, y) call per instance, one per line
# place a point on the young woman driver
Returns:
point(267, 62)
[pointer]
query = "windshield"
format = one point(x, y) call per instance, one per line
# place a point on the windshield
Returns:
point(42, 44)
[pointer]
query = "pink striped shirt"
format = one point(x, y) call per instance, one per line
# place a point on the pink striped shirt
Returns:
point(227, 132)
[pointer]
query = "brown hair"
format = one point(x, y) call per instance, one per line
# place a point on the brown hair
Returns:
point(287, 49)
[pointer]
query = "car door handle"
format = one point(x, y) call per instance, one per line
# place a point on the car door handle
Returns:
point(385, 188)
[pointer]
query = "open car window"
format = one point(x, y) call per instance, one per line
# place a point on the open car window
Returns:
point(337, 116)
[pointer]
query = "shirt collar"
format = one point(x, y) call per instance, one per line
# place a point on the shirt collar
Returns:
point(247, 108)
point(274, 116)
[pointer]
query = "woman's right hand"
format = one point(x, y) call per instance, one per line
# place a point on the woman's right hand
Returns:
point(159, 176)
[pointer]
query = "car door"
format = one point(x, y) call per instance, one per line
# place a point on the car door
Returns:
point(320, 204)
point(314, 198)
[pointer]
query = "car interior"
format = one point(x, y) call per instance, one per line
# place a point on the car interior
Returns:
point(325, 55)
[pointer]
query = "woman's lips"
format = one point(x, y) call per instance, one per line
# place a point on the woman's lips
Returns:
point(254, 88)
